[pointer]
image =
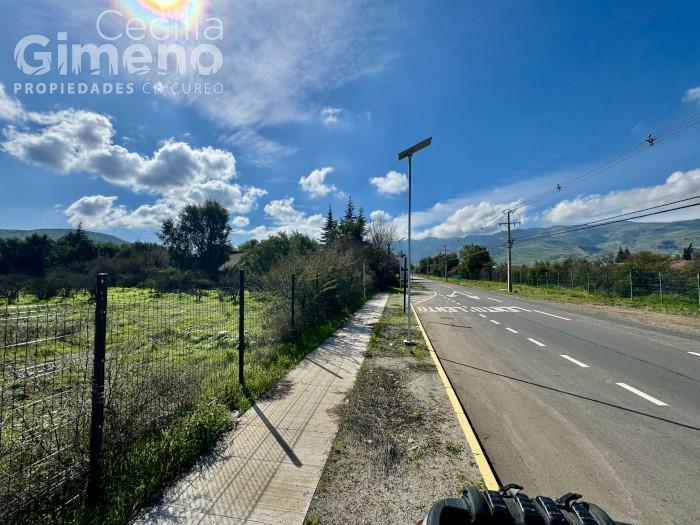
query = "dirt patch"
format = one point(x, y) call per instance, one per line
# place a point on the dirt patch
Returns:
point(399, 447)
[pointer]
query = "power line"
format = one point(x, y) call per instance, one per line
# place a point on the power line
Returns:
point(598, 223)
point(661, 136)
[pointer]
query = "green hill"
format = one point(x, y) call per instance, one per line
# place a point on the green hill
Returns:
point(665, 237)
point(58, 233)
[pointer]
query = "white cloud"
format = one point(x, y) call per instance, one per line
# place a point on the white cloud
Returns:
point(315, 182)
point(329, 115)
point(286, 218)
point(466, 220)
point(10, 107)
point(97, 212)
point(259, 150)
point(692, 95)
point(77, 141)
point(585, 208)
point(241, 222)
point(392, 183)
point(379, 216)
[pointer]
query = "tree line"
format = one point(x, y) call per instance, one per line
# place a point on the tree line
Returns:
point(194, 246)
point(475, 262)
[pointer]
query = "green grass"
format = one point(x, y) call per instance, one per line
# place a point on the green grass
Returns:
point(179, 349)
point(672, 304)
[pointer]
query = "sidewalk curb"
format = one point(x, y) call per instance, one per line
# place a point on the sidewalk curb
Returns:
point(490, 479)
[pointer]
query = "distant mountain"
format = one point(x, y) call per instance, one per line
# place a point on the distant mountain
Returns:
point(665, 237)
point(57, 234)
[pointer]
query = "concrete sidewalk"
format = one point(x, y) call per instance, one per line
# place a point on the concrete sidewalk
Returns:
point(271, 463)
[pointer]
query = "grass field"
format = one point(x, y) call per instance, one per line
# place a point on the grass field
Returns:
point(672, 303)
point(171, 373)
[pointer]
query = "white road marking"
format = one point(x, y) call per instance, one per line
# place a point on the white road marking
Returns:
point(552, 315)
point(426, 299)
point(511, 330)
point(694, 353)
point(492, 299)
point(642, 394)
point(482, 315)
point(576, 362)
point(494, 322)
point(535, 341)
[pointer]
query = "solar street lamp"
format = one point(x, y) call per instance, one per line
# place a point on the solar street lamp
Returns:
point(409, 153)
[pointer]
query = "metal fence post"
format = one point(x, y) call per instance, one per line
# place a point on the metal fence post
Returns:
point(94, 489)
point(241, 326)
point(631, 290)
point(294, 291)
point(661, 290)
point(697, 277)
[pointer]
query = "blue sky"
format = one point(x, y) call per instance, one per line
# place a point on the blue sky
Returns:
point(318, 96)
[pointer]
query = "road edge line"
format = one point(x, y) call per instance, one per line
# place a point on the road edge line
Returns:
point(482, 461)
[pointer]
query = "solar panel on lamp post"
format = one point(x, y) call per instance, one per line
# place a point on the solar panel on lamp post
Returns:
point(409, 153)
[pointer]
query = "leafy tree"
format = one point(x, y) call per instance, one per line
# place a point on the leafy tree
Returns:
point(76, 248)
point(474, 258)
point(199, 238)
point(261, 256)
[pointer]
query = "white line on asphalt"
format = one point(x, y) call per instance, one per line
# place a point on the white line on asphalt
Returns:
point(511, 330)
point(694, 353)
point(642, 394)
point(426, 299)
point(492, 299)
point(535, 341)
point(552, 315)
point(482, 315)
point(576, 362)
point(494, 322)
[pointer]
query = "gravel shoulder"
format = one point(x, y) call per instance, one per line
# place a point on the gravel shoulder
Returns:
point(399, 447)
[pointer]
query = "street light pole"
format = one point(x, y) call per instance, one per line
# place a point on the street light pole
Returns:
point(409, 153)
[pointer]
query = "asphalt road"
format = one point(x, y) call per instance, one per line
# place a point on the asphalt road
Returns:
point(568, 402)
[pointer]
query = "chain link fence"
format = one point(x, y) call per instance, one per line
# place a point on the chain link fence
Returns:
point(630, 283)
point(84, 380)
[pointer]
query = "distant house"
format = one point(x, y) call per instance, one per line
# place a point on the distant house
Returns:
point(232, 261)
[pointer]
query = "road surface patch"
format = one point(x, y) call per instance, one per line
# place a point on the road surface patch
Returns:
point(479, 455)
point(575, 361)
point(642, 394)
point(535, 341)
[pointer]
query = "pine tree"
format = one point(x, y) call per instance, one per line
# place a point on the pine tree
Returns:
point(330, 228)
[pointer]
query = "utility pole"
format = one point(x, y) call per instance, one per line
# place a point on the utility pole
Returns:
point(445, 263)
point(509, 214)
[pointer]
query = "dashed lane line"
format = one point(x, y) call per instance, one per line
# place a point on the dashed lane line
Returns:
point(694, 353)
point(482, 315)
point(642, 394)
point(574, 361)
point(511, 330)
point(535, 341)
point(494, 322)
point(492, 299)
point(552, 315)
